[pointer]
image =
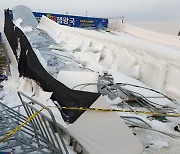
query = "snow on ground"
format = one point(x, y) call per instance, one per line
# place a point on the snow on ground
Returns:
point(129, 59)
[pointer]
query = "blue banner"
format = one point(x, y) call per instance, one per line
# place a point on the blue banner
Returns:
point(73, 21)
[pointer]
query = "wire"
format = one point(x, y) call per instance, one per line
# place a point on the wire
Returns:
point(125, 84)
point(87, 84)
point(148, 101)
point(164, 133)
point(129, 117)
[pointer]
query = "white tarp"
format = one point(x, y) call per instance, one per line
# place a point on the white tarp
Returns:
point(104, 132)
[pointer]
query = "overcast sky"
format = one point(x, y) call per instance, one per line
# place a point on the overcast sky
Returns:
point(157, 15)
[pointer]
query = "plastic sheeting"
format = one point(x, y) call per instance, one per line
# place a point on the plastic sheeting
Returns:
point(25, 14)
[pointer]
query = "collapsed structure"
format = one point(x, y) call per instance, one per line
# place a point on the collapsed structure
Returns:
point(86, 127)
point(44, 53)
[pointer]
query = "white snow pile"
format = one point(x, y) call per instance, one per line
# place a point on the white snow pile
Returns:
point(151, 63)
point(77, 57)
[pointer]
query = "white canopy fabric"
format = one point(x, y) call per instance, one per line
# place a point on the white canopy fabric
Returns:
point(104, 132)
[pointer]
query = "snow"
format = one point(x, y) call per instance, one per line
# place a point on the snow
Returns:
point(73, 78)
point(127, 54)
point(160, 144)
point(162, 38)
point(85, 54)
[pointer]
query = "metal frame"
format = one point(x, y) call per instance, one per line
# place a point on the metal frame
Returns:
point(41, 135)
point(114, 90)
point(43, 124)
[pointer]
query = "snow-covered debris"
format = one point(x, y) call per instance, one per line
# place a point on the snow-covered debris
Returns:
point(133, 69)
point(132, 56)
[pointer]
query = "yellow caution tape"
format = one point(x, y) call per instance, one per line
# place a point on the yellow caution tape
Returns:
point(127, 111)
point(85, 109)
point(21, 125)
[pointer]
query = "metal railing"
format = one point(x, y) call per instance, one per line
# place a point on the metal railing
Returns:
point(45, 125)
point(40, 135)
